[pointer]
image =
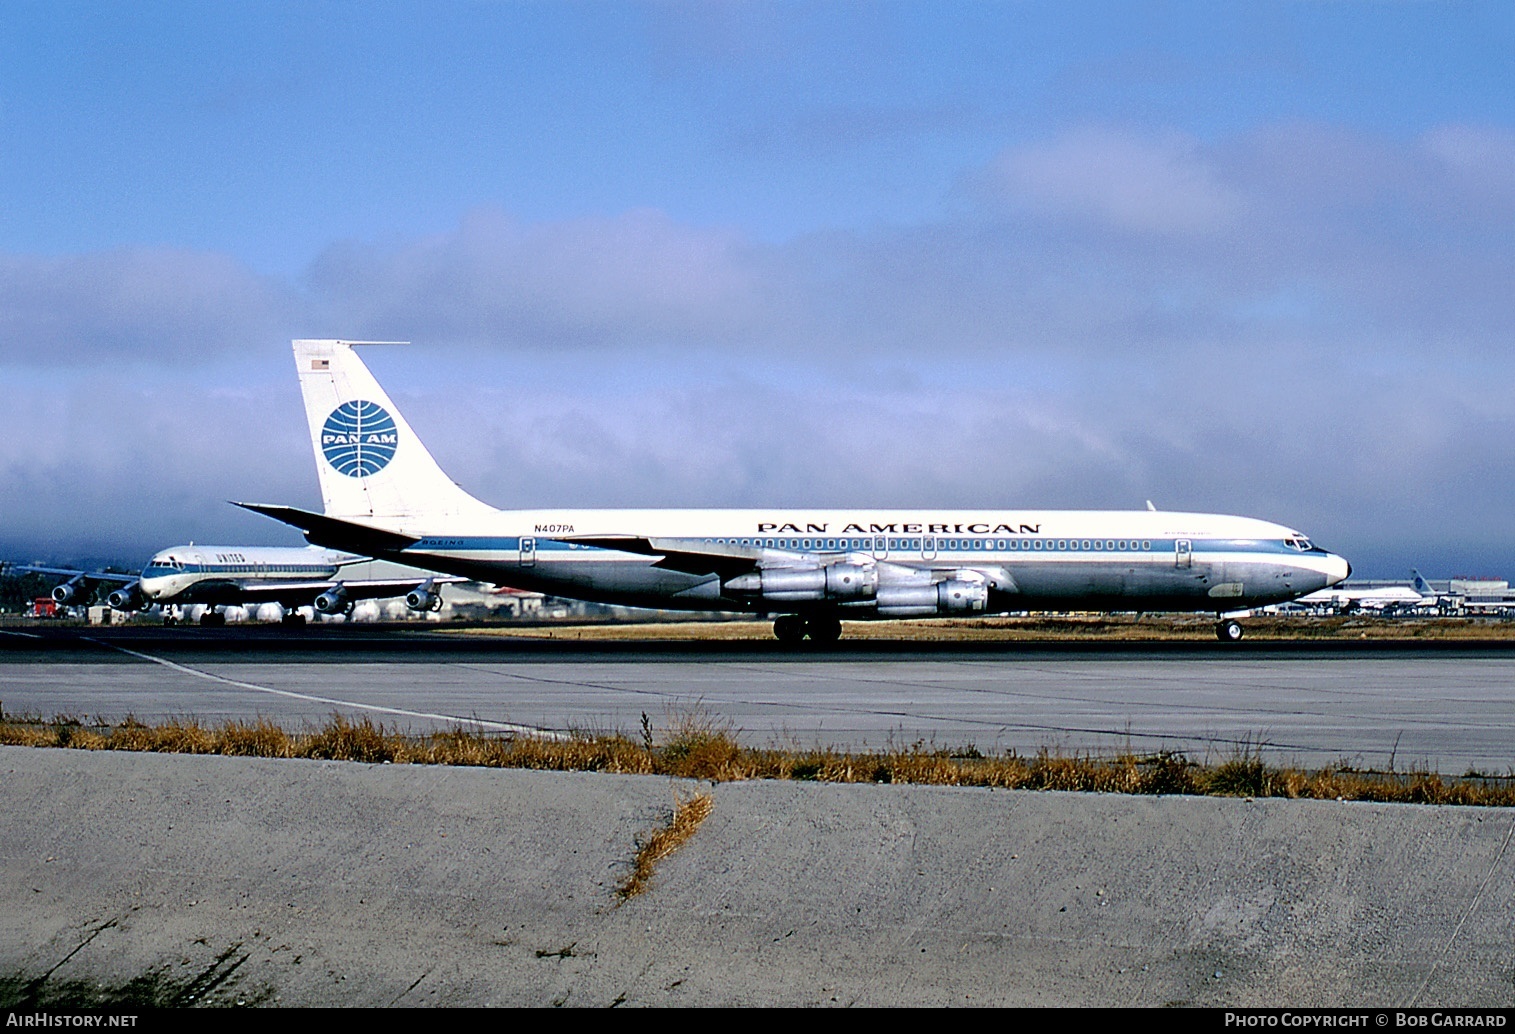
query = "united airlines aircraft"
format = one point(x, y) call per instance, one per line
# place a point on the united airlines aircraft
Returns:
point(231, 576)
point(386, 497)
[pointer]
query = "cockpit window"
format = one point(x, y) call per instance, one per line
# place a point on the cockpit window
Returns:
point(1298, 542)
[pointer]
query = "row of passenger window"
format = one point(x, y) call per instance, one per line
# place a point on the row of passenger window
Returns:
point(304, 569)
point(947, 545)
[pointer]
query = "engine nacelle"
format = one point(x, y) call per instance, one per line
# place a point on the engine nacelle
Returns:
point(128, 597)
point(844, 581)
point(68, 592)
point(422, 598)
point(332, 601)
point(953, 596)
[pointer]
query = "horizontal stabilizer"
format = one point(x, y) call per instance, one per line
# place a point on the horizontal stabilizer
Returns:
point(334, 533)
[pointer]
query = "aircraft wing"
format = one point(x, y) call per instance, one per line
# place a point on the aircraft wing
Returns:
point(334, 533)
point(88, 576)
point(356, 589)
point(76, 587)
point(680, 555)
point(302, 593)
point(379, 588)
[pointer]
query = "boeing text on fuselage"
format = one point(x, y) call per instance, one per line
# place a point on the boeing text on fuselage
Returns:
point(389, 498)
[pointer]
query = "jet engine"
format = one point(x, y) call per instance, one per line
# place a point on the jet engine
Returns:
point(69, 591)
point(423, 598)
point(953, 596)
point(841, 581)
point(332, 601)
point(128, 597)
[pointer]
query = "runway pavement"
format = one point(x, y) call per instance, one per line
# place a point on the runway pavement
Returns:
point(1443, 707)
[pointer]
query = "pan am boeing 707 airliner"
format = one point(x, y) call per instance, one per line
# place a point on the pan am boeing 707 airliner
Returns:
point(386, 497)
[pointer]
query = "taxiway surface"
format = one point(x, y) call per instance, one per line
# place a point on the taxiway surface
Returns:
point(1441, 707)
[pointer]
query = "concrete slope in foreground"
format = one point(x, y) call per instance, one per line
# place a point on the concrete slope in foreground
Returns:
point(189, 880)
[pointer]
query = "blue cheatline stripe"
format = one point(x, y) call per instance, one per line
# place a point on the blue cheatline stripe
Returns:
point(286, 569)
point(1011, 547)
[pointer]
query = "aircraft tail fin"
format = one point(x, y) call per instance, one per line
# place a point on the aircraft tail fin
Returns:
point(369, 461)
point(1421, 585)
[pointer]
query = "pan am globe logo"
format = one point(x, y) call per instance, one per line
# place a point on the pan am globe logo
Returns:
point(359, 438)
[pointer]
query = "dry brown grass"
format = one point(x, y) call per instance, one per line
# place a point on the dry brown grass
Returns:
point(696, 746)
point(688, 813)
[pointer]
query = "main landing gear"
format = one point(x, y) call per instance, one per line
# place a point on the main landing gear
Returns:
point(1229, 631)
point(819, 628)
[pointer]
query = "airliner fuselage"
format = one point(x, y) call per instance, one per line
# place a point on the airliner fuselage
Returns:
point(1049, 560)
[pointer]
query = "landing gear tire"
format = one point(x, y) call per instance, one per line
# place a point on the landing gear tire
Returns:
point(212, 619)
point(1229, 631)
point(789, 629)
point(824, 629)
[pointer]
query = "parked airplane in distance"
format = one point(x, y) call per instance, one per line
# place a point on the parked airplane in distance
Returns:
point(1467, 595)
point(230, 576)
point(1383, 598)
point(386, 497)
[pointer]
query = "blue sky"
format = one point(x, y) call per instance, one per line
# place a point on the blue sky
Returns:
point(1243, 258)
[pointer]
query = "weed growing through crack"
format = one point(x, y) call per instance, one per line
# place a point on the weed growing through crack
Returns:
point(688, 813)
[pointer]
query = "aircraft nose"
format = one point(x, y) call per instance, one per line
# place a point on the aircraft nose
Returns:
point(1337, 569)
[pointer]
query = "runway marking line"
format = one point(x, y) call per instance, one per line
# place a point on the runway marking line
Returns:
point(29, 635)
point(524, 730)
